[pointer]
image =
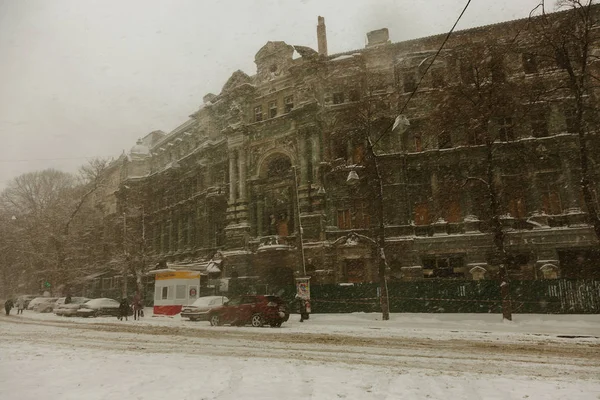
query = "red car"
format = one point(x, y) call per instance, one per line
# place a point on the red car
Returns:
point(250, 309)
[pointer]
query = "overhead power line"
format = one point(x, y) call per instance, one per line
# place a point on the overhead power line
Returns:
point(401, 111)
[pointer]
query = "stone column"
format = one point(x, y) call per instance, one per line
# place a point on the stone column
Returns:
point(232, 177)
point(242, 174)
point(260, 206)
point(303, 163)
point(316, 160)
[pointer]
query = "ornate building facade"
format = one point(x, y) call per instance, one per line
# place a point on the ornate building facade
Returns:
point(258, 175)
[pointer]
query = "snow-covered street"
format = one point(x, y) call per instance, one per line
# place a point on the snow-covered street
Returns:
point(352, 356)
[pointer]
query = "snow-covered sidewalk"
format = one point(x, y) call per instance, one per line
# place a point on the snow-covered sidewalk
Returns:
point(400, 325)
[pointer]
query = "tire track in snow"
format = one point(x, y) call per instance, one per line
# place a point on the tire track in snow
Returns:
point(536, 359)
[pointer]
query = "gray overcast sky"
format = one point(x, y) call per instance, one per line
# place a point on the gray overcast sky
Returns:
point(83, 78)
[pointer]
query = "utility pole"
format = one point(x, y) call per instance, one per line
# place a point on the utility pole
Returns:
point(300, 230)
point(125, 258)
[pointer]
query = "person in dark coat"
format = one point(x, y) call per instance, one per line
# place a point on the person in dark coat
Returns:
point(68, 299)
point(301, 308)
point(138, 306)
point(123, 309)
point(8, 305)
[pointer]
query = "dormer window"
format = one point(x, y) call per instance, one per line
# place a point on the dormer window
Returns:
point(258, 114)
point(272, 109)
point(288, 104)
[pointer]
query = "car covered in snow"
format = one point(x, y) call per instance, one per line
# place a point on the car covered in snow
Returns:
point(256, 310)
point(46, 305)
point(69, 310)
point(33, 302)
point(199, 309)
point(99, 307)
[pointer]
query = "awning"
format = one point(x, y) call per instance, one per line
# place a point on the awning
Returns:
point(158, 271)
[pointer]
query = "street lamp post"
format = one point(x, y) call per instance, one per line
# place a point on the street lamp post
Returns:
point(300, 230)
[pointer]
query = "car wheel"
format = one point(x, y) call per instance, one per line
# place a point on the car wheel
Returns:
point(215, 320)
point(257, 320)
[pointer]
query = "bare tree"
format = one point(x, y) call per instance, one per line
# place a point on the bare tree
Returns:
point(478, 108)
point(38, 203)
point(44, 205)
point(569, 40)
point(134, 258)
point(363, 123)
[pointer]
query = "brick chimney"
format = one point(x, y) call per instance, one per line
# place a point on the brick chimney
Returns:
point(322, 36)
point(378, 37)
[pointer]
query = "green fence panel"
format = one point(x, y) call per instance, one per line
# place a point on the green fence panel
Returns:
point(344, 298)
point(460, 296)
point(556, 296)
point(449, 296)
point(439, 296)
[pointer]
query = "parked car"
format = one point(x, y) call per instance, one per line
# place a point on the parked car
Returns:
point(199, 309)
point(251, 309)
point(27, 298)
point(45, 306)
point(99, 307)
point(35, 301)
point(70, 309)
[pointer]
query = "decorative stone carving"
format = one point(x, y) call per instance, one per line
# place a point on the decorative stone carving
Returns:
point(352, 240)
point(478, 273)
point(549, 271)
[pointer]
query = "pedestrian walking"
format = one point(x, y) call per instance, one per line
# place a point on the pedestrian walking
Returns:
point(123, 309)
point(20, 305)
point(8, 305)
point(138, 306)
point(301, 308)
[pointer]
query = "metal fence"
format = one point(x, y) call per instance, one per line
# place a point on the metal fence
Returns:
point(456, 296)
